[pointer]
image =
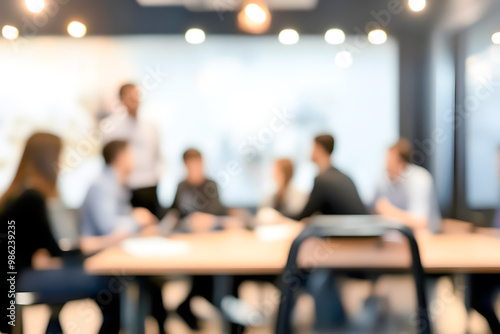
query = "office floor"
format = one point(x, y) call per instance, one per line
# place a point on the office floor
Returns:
point(446, 308)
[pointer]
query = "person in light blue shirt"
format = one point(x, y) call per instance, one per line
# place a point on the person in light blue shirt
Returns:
point(406, 192)
point(107, 207)
point(107, 216)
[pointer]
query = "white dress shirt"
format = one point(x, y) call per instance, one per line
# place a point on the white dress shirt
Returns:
point(414, 192)
point(143, 139)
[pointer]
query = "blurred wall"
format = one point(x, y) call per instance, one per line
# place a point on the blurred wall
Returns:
point(222, 96)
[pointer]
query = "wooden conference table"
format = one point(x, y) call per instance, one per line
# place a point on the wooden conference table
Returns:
point(265, 251)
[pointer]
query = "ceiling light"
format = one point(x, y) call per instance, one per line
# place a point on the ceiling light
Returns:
point(377, 36)
point(417, 5)
point(288, 37)
point(35, 6)
point(195, 36)
point(335, 36)
point(495, 38)
point(255, 13)
point(254, 18)
point(77, 29)
point(10, 32)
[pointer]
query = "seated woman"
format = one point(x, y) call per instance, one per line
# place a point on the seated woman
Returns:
point(288, 200)
point(23, 211)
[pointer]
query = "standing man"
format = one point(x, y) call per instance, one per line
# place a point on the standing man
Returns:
point(406, 192)
point(143, 138)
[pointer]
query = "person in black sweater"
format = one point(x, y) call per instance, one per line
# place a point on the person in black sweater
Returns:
point(197, 203)
point(333, 192)
point(38, 263)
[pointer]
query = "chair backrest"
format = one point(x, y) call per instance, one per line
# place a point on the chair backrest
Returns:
point(64, 224)
point(355, 227)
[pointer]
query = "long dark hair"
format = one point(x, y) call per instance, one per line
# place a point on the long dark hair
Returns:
point(38, 168)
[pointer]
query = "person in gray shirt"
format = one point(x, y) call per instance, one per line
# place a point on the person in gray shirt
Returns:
point(406, 192)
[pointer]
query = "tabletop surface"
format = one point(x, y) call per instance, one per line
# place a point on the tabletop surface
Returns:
point(265, 251)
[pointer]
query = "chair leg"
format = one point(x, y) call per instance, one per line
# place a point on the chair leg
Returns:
point(54, 326)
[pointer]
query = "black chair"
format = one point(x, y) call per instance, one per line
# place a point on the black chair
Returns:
point(358, 227)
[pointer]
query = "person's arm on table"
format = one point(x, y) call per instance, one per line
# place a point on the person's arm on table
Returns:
point(90, 245)
point(385, 208)
point(141, 218)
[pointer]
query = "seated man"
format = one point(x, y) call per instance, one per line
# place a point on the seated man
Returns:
point(333, 192)
point(197, 202)
point(107, 216)
point(406, 193)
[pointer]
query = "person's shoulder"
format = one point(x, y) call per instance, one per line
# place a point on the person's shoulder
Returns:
point(210, 182)
point(103, 181)
point(335, 174)
point(31, 195)
point(28, 198)
point(420, 174)
point(183, 183)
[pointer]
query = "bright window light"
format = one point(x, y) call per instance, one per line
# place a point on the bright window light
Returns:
point(343, 59)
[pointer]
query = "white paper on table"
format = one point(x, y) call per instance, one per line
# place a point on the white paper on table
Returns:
point(273, 232)
point(154, 247)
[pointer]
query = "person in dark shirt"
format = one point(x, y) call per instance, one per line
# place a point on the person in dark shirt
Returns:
point(333, 192)
point(197, 202)
point(23, 213)
point(197, 197)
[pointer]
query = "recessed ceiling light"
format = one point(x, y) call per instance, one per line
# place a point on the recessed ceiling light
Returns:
point(417, 5)
point(495, 38)
point(335, 36)
point(288, 37)
point(77, 29)
point(195, 36)
point(35, 6)
point(377, 36)
point(10, 32)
